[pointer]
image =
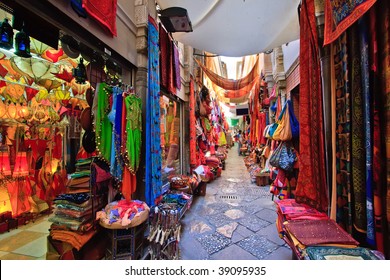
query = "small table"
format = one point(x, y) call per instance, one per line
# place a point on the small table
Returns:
point(126, 243)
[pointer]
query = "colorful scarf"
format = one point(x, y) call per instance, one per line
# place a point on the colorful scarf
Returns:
point(311, 187)
point(153, 183)
point(339, 15)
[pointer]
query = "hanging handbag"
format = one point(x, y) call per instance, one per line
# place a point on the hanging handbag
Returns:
point(283, 132)
point(287, 157)
point(275, 157)
point(294, 124)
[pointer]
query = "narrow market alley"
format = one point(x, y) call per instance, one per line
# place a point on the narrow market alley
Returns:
point(235, 220)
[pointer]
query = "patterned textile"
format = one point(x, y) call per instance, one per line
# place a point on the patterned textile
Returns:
point(377, 159)
point(176, 66)
point(104, 12)
point(319, 232)
point(164, 56)
point(337, 253)
point(384, 48)
point(311, 186)
point(193, 160)
point(153, 183)
point(339, 15)
point(229, 84)
point(343, 124)
point(364, 44)
point(357, 145)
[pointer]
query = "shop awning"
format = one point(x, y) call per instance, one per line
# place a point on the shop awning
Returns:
point(239, 27)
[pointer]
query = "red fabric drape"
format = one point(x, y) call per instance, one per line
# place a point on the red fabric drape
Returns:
point(193, 159)
point(378, 162)
point(311, 187)
point(164, 56)
point(104, 12)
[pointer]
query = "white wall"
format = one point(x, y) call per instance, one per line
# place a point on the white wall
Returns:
point(290, 54)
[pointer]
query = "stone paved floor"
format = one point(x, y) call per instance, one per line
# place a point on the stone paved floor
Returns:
point(234, 221)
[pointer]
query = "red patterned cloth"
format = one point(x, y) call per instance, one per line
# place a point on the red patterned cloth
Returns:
point(311, 187)
point(104, 12)
point(164, 56)
point(193, 159)
point(319, 232)
point(339, 15)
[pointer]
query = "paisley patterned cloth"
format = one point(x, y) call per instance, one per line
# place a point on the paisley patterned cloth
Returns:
point(311, 186)
point(339, 15)
point(153, 181)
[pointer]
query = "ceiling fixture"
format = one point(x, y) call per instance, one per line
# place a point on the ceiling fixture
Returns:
point(175, 19)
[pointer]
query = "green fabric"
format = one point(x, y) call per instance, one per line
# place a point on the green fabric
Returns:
point(103, 126)
point(134, 131)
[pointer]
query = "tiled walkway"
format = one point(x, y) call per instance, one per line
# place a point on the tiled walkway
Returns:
point(234, 221)
point(27, 242)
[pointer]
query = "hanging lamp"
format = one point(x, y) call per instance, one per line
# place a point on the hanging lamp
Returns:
point(22, 43)
point(6, 35)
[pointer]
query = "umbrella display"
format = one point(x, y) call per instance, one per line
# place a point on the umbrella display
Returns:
point(34, 68)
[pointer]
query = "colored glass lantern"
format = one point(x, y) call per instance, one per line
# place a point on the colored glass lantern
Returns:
point(6, 35)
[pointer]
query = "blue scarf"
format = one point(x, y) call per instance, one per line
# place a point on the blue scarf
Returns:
point(153, 182)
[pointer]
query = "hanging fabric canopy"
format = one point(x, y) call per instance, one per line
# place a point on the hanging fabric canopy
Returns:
point(230, 84)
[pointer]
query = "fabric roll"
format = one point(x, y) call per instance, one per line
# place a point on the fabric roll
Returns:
point(364, 46)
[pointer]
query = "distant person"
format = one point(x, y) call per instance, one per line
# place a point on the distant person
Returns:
point(239, 141)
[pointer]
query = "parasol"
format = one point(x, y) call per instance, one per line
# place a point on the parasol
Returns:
point(34, 68)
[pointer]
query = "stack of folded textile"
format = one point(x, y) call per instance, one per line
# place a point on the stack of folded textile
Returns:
point(289, 209)
point(73, 212)
point(79, 181)
point(312, 235)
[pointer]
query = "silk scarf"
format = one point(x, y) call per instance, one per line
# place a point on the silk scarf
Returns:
point(311, 186)
point(153, 181)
